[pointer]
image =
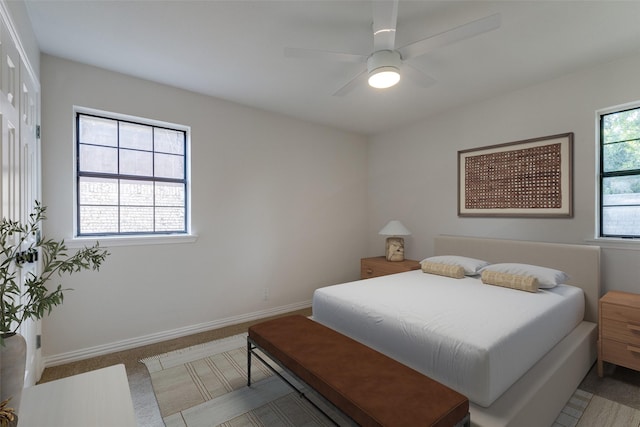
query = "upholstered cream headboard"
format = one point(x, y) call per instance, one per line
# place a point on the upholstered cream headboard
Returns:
point(580, 262)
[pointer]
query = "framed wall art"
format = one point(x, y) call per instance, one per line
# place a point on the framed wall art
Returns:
point(531, 178)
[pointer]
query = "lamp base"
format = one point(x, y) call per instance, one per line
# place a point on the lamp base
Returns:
point(394, 249)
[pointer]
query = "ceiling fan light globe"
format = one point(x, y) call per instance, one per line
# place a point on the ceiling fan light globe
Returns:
point(384, 77)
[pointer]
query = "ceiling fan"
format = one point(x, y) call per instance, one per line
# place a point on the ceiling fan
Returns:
point(386, 63)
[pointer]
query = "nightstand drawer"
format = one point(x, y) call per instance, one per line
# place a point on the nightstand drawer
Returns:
point(621, 353)
point(379, 266)
point(624, 332)
point(367, 272)
point(620, 312)
point(375, 270)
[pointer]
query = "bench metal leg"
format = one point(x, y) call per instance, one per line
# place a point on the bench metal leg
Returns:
point(466, 421)
point(251, 346)
point(249, 351)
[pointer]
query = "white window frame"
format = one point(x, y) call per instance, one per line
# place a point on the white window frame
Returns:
point(610, 242)
point(139, 239)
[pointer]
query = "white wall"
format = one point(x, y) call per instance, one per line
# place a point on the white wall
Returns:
point(277, 203)
point(413, 170)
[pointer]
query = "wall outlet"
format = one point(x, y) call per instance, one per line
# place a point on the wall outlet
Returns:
point(265, 294)
point(38, 341)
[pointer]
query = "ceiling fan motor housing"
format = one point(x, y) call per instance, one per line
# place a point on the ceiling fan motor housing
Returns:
point(384, 58)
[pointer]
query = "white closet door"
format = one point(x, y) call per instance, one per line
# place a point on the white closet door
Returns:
point(19, 153)
point(29, 193)
point(9, 107)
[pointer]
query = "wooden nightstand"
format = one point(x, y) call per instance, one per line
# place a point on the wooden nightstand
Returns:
point(619, 330)
point(379, 266)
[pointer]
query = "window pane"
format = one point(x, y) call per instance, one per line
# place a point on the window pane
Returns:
point(621, 126)
point(131, 177)
point(136, 219)
point(170, 194)
point(97, 130)
point(621, 221)
point(170, 219)
point(621, 190)
point(98, 219)
point(136, 136)
point(621, 156)
point(98, 191)
point(136, 193)
point(138, 163)
point(169, 141)
point(621, 206)
point(98, 159)
point(169, 166)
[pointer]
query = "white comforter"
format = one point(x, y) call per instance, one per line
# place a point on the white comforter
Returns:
point(477, 339)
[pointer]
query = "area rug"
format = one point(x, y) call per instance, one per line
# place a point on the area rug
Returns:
point(206, 385)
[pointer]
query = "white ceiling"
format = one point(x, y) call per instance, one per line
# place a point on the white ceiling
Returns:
point(234, 49)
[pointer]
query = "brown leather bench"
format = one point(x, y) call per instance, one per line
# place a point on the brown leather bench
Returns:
point(369, 387)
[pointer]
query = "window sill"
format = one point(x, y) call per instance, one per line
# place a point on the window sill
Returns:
point(615, 243)
point(112, 241)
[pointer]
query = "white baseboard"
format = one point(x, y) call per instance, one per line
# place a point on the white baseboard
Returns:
point(101, 350)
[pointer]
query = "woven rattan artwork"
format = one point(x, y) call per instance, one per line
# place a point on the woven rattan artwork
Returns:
point(528, 178)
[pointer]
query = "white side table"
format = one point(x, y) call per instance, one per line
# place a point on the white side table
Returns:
point(99, 398)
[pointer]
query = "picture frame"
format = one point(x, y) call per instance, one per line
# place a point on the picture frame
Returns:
point(529, 178)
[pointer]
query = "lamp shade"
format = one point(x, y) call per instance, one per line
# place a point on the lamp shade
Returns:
point(394, 228)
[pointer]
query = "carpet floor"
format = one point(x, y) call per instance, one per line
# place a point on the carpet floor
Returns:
point(205, 385)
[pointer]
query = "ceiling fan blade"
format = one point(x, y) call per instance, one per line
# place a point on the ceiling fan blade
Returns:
point(385, 17)
point(295, 52)
point(462, 32)
point(417, 76)
point(361, 78)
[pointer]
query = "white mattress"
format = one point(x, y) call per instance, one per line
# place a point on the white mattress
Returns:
point(477, 339)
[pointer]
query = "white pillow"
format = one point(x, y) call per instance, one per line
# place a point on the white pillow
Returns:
point(471, 266)
point(547, 277)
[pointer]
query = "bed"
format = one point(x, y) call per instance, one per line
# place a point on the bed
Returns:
point(527, 390)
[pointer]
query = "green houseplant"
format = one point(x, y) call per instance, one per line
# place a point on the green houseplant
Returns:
point(21, 245)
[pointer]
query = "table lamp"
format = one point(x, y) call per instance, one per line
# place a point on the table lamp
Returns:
point(394, 248)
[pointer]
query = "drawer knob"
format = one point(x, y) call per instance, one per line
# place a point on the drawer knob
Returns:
point(369, 271)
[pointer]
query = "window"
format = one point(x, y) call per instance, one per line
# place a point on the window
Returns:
point(620, 173)
point(131, 177)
